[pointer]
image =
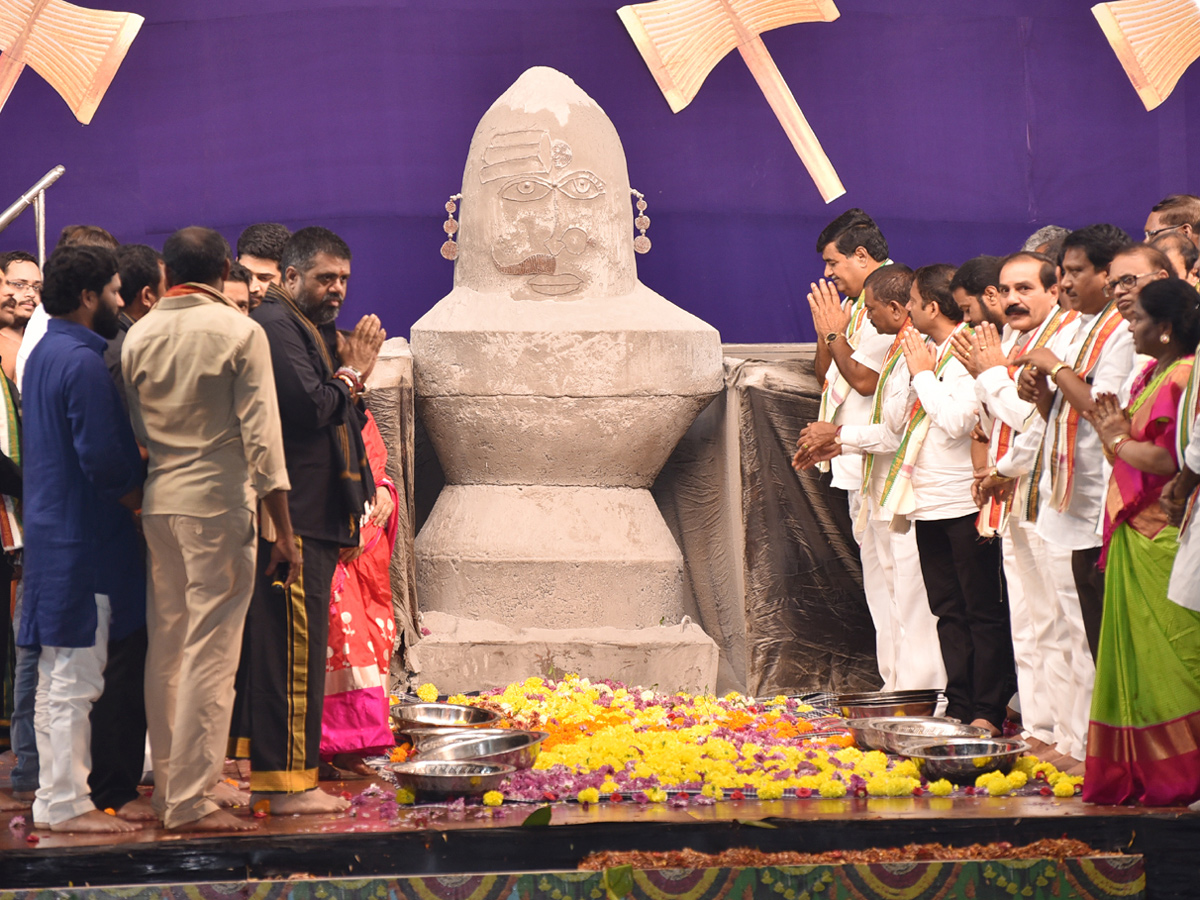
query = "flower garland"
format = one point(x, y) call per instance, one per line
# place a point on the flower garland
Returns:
point(611, 742)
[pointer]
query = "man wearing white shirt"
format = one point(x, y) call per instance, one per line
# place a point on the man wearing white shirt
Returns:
point(1028, 290)
point(905, 629)
point(849, 355)
point(1093, 357)
point(961, 570)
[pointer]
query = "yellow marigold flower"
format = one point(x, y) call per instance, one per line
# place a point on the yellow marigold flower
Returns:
point(771, 790)
point(493, 798)
point(656, 795)
point(534, 682)
point(984, 780)
point(711, 790)
point(831, 788)
point(998, 787)
point(609, 786)
point(848, 755)
point(405, 797)
point(1064, 788)
point(428, 692)
point(460, 699)
point(1017, 778)
point(875, 761)
point(906, 769)
point(940, 788)
point(588, 795)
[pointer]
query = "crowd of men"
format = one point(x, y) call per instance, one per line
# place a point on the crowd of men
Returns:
point(182, 469)
point(959, 414)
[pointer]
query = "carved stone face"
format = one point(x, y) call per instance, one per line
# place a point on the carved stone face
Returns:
point(546, 210)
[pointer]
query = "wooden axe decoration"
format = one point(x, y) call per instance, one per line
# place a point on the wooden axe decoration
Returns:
point(1155, 40)
point(682, 40)
point(77, 50)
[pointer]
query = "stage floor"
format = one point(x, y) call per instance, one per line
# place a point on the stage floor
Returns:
point(383, 840)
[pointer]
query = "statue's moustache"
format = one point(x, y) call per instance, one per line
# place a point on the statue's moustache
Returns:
point(540, 264)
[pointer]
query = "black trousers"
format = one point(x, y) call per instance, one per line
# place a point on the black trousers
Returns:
point(119, 724)
point(281, 676)
point(1089, 581)
point(964, 581)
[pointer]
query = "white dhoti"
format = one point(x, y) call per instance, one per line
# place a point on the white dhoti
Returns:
point(1073, 709)
point(70, 680)
point(1039, 634)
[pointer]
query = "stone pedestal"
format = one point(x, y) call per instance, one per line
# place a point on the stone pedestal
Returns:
point(553, 385)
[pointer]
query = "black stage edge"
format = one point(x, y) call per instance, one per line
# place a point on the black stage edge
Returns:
point(1170, 843)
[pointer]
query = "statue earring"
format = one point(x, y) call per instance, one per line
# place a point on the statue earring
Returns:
point(641, 243)
point(450, 226)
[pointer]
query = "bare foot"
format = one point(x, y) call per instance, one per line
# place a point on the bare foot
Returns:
point(314, 802)
point(1080, 768)
point(138, 810)
point(96, 822)
point(352, 762)
point(217, 821)
point(984, 723)
point(10, 803)
point(226, 796)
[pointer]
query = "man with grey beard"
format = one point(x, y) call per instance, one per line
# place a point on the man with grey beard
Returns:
point(319, 376)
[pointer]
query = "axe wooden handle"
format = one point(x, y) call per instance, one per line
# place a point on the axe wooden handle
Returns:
point(787, 110)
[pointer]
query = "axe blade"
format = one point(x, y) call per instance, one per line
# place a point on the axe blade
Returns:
point(78, 50)
point(1155, 41)
point(681, 41)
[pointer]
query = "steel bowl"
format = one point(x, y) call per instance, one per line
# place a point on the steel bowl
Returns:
point(921, 708)
point(878, 704)
point(895, 734)
point(868, 733)
point(441, 715)
point(874, 697)
point(436, 779)
point(962, 760)
point(508, 747)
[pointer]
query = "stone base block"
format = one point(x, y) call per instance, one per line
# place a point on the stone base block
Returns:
point(474, 654)
point(550, 557)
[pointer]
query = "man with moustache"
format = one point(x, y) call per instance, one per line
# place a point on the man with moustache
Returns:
point(1029, 291)
point(905, 629)
point(1093, 354)
point(143, 281)
point(319, 376)
point(83, 476)
point(849, 356)
point(24, 278)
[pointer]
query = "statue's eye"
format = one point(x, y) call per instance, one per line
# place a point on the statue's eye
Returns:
point(582, 186)
point(525, 189)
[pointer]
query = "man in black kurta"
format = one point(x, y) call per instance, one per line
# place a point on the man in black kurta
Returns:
point(318, 378)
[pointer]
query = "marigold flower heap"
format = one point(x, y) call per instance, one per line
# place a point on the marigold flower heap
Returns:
point(627, 743)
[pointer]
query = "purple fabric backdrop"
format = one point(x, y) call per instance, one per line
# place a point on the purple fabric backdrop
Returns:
point(961, 129)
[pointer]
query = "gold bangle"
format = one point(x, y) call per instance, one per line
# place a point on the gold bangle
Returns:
point(1116, 447)
point(1058, 368)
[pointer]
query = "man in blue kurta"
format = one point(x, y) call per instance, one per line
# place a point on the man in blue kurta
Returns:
point(81, 464)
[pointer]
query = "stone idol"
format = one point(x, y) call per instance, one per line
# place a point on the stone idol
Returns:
point(554, 385)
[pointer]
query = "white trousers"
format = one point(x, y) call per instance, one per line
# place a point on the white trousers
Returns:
point(70, 680)
point(1184, 587)
point(1073, 712)
point(906, 640)
point(1040, 636)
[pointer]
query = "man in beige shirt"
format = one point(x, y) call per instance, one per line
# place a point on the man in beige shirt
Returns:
point(202, 399)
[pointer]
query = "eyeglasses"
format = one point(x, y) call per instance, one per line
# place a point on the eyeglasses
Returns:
point(26, 287)
point(1151, 235)
point(1129, 282)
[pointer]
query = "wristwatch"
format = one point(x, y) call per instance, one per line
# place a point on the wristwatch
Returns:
point(832, 336)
